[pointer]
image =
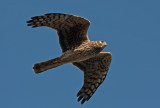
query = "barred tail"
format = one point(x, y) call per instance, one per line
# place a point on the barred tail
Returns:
point(43, 66)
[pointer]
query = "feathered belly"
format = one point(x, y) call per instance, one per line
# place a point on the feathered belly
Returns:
point(78, 55)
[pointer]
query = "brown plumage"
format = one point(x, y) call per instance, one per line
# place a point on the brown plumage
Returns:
point(77, 49)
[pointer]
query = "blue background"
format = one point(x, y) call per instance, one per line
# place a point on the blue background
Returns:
point(130, 27)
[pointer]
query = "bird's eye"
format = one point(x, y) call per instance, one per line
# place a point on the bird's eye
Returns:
point(102, 41)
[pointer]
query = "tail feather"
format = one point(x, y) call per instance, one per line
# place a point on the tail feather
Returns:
point(43, 66)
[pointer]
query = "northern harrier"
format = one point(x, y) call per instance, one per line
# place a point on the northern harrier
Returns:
point(76, 49)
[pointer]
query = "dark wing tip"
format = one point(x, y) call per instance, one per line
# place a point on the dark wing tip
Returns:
point(82, 98)
point(30, 24)
point(79, 98)
point(35, 21)
point(82, 102)
point(78, 93)
point(30, 21)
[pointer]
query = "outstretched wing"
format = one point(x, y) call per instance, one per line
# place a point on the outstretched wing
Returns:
point(95, 70)
point(72, 30)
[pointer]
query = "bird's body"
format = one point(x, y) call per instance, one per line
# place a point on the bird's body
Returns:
point(77, 49)
point(86, 50)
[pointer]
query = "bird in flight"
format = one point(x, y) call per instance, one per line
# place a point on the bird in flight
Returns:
point(76, 49)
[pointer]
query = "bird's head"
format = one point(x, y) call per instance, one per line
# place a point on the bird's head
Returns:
point(102, 44)
point(99, 45)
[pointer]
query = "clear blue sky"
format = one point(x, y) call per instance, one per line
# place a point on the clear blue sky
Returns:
point(130, 27)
